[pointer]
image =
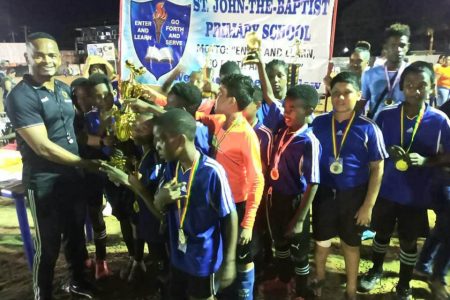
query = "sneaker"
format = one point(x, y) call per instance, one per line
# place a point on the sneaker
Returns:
point(125, 271)
point(137, 271)
point(83, 290)
point(368, 281)
point(102, 270)
point(403, 293)
point(276, 286)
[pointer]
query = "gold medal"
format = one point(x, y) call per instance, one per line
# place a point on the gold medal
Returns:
point(274, 174)
point(336, 167)
point(389, 101)
point(401, 165)
point(181, 237)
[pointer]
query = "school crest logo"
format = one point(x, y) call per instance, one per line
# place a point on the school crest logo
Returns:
point(159, 31)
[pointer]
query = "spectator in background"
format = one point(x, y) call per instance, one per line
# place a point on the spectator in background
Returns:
point(442, 71)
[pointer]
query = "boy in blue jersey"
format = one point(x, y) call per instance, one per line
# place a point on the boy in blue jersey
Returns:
point(351, 168)
point(417, 135)
point(199, 208)
point(292, 184)
point(90, 147)
point(380, 85)
point(144, 183)
point(276, 72)
point(185, 96)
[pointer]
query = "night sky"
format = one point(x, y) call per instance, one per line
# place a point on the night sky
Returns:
point(357, 19)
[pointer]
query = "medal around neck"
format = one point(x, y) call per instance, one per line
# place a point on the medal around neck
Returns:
point(389, 101)
point(401, 165)
point(274, 174)
point(336, 167)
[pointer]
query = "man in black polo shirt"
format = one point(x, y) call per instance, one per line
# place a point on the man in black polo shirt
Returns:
point(41, 111)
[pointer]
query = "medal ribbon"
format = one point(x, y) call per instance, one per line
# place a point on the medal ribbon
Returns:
point(283, 145)
point(391, 85)
point(344, 137)
point(194, 168)
point(416, 126)
point(234, 124)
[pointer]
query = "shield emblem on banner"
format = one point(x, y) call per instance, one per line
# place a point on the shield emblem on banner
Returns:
point(159, 31)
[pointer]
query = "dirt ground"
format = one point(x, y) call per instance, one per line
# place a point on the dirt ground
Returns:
point(15, 276)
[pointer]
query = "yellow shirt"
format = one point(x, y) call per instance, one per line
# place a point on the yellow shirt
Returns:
point(444, 76)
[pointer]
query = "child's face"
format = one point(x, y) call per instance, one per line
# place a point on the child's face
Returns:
point(84, 98)
point(142, 131)
point(357, 63)
point(417, 87)
point(396, 48)
point(278, 80)
point(166, 145)
point(295, 112)
point(223, 102)
point(97, 68)
point(103, 97)
point(344, 97)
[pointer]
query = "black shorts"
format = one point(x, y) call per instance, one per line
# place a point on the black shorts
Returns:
point(412, 222)
point(280, 210)
point(334, 214)
point(183, 285)
point(93, 185)
point(244, 253)
point(121, 200)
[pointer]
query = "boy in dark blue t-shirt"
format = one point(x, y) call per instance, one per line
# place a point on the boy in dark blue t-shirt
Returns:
point(293, 177)
point(199, 209)
point(416, 135)
point(351, 168)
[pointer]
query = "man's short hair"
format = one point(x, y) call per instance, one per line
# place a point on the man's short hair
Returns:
point(39, 35)
point(304, 92)
point(241, 88)
point(397, 30)
point(189, 93)
point(346, 77)
point(228, 68)
point(416, 68)
point(177, 122)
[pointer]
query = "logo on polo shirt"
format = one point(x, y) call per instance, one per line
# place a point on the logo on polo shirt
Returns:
point(410, 130)
point(45, 99)
point(65, 95)
point(339, 132)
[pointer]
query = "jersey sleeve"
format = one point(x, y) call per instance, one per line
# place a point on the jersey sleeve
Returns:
point(445, 135)
point(311, 158)
point(222, 198)
point(375, 143)
point(275, 116)
point(255, 178)
point(24, 110)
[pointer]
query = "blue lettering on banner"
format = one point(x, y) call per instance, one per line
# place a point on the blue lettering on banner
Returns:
point(159, 32)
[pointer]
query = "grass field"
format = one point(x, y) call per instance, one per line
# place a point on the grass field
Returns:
point(15, 277)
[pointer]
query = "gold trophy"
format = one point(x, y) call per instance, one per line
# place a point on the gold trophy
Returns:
point(253, 47)
point(130, 88)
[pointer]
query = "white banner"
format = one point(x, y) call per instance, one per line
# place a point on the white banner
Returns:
point(161, 35)
point(105, 50)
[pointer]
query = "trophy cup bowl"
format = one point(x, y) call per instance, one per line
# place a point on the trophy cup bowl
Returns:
point(253, 46)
